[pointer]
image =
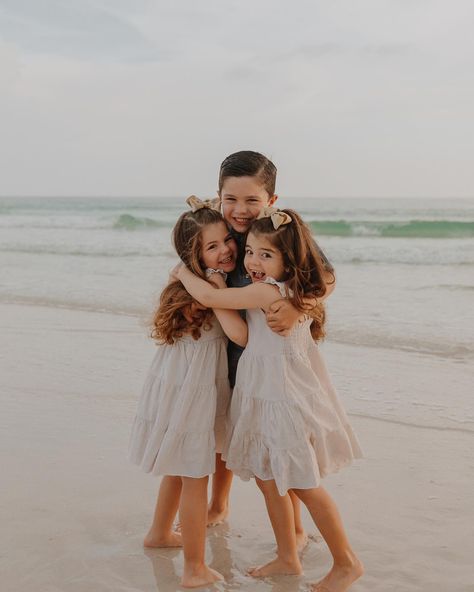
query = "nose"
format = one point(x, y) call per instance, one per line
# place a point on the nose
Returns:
point(240, 209)
point(225, 249)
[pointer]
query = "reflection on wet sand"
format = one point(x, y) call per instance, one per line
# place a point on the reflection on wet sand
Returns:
point(167, 565)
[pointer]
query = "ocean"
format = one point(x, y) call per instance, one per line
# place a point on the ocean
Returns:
point(405, 283)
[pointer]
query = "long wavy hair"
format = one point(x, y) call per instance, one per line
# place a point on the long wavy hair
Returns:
point(304, 268)
point(178, 313)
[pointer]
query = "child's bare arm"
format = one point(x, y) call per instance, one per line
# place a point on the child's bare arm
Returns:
point(233, 325)
point(231, 322)
point(254, 296)
point(282, 315)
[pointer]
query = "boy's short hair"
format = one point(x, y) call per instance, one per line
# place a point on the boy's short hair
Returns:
point(248, 163)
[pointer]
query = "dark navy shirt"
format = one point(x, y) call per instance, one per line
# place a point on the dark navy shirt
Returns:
point(238, 279)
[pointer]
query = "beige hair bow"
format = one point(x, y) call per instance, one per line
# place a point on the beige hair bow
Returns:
point(278, 217)
point(196, 204)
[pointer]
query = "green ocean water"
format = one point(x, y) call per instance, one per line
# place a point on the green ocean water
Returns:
point(405, 277)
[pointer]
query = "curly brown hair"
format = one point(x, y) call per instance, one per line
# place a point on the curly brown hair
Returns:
point(304, 268)
point(178, 313)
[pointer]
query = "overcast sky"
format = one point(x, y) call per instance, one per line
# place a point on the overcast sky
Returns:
point(141, 97)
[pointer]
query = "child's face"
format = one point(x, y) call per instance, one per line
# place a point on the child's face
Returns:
point(242, 200)
point(262, 259)
point(219, 249)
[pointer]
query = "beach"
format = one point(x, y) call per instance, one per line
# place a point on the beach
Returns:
point(74, 511)
point(115, 113)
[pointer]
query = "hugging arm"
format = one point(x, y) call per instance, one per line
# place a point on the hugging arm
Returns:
point(231, 322)
point(254, 296)
point(282, 315)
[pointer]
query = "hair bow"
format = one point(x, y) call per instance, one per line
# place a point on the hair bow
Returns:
point(278, 217)
point(196, 204)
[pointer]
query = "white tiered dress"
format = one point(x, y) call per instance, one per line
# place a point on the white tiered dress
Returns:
point(180, 420)
point(286, 421)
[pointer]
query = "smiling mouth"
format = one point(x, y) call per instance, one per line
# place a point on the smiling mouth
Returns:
point(242, 220)
point(257, 275)
point(227, 260)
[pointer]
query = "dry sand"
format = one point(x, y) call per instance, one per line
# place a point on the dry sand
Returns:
point(74, 512)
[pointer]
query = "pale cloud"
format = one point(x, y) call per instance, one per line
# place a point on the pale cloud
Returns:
point(146, 98)
point(84, 30)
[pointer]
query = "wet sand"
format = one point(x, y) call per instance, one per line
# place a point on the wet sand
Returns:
point(74, 512)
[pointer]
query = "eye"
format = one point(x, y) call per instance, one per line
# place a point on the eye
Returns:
point(229, 238)
point(266, 256)
point(210, 247)
point(248, 251)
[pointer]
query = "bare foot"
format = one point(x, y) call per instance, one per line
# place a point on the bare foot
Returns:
point(277, 567)
point(216, 516)
point(173, 539)
point(340, 578)
point(200, 576)
point(301, 541)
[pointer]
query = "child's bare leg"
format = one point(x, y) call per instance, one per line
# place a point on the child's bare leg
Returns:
point(346, 567)
point(301, 536)
point(161, 532)
point(218, 509)
point(280, 512)
point(193, 518)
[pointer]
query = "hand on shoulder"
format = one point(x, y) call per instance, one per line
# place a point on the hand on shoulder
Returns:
point(282, 317)
point(217, 280)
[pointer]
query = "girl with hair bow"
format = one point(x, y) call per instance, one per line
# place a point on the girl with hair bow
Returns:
point(180, 419)
point(287, 427)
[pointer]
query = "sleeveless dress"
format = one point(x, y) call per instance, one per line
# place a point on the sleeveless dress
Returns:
point(286, 422)
point(180, 420)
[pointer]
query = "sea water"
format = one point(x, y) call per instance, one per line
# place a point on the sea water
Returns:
point(405, 278)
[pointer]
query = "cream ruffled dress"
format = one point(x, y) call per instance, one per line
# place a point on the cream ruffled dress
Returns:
point(286, 421)
point(180, 420)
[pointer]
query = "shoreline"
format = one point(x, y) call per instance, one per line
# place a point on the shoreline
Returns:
point(448, 370)
point(74, 511)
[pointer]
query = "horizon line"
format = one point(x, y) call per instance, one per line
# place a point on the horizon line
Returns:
point(109, 196)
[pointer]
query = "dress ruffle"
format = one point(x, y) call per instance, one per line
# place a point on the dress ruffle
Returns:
point(180, 419)
point(286, 421)
point(273, 440)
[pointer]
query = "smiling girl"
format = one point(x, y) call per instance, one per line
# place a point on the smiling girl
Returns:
point(180, 420)
point(288, 428)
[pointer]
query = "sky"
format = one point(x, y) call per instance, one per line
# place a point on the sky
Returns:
point(350, 98)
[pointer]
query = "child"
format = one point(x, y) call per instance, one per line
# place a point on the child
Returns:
point(288, 428)
point(247, 181)
point(181, 412)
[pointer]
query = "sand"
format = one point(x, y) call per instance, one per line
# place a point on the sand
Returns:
point(74, 512)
